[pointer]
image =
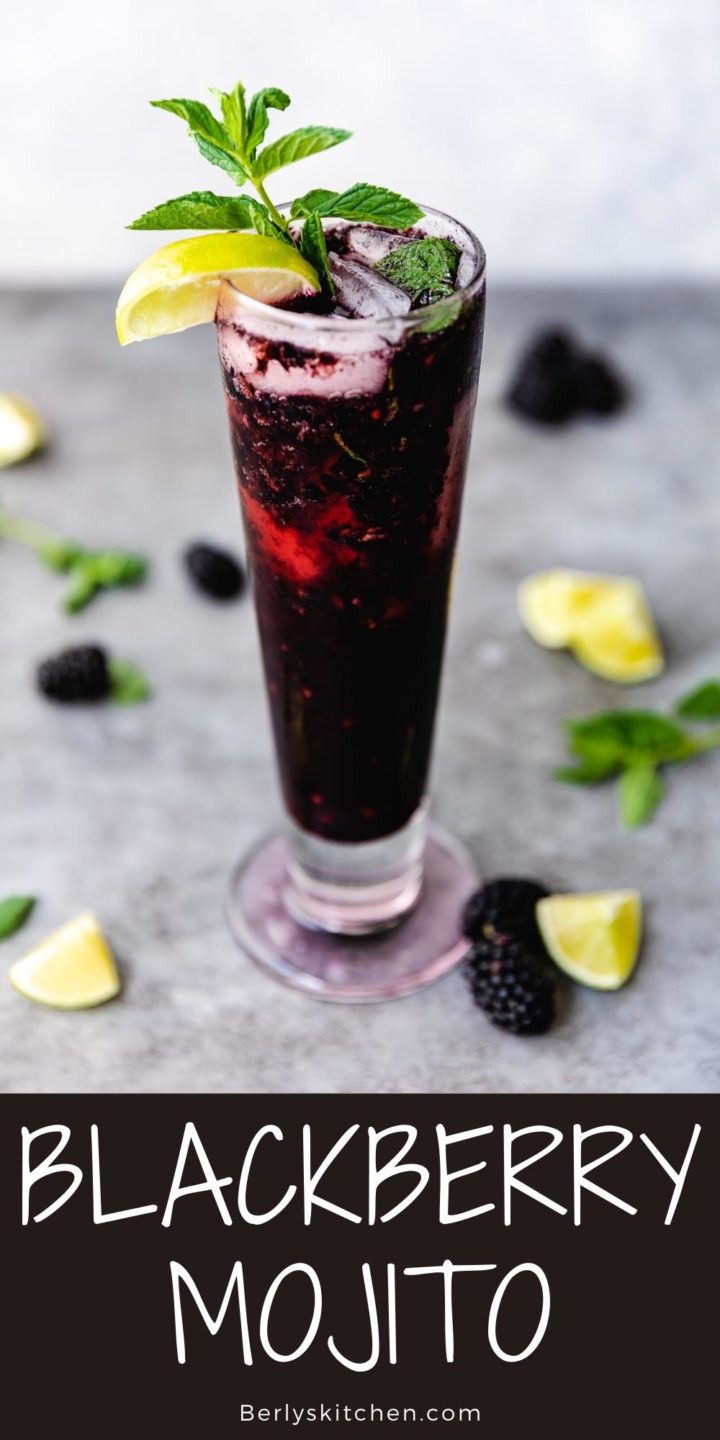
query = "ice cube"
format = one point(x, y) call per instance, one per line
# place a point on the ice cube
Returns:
point(362, 292)
point(371, 244)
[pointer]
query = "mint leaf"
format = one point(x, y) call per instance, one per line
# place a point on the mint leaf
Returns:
point(627, 735)
point(210, 136)
point(297, 146)
point(232, 104)
point(128, 684)
point(313, 200)
point(263, 223)
point(313, 247)
point(373, 205)
point(257, 116)
point(424, 269)
point(640, 791)
point(14, 911)
point(702, 703)
point(102, 570)
point(199, 210)
point(633, 744)
point(589, 772)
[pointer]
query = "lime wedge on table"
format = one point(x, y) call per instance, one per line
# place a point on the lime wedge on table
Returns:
point(604, 619)
point(22, 432)
point(71, 970)
point(594, 938)
point(178, 285)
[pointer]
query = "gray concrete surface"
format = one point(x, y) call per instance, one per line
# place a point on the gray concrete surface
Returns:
point(139, 814)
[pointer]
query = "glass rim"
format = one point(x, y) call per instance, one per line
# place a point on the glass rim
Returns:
point(306, 320)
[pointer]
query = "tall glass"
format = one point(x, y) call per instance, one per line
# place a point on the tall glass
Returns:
point(350, 440)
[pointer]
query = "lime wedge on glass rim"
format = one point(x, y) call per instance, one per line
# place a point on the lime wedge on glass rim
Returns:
point(178, 285)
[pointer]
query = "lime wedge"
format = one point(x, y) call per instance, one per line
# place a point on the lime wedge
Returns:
point(178, 285)
point(618, 639)
point(552, 604)
point(594, 938)
point(22, 431)
point(71, 970)
point(604, 619)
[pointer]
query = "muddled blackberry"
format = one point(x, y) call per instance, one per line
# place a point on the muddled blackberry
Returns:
point(215, 572)
point(510, 985)
point(504, 909)
point(556, 379)
point(79, 674)
point(544, 386)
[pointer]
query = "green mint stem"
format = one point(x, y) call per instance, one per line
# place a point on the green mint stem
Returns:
point(275, 213)
point(57, 553)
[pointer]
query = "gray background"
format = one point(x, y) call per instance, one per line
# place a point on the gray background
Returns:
point(139, 814)
point(577, 137)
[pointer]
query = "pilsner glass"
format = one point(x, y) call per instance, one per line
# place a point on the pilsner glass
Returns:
point(350, 439)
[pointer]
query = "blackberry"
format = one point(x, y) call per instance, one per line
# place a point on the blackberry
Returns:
point(216, 572)
point(510, 985)
point(504, 909)
point(75, 675)
point(601, 390)
point(544, 386)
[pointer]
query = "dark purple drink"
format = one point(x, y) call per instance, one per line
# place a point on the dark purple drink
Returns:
point(350, 434)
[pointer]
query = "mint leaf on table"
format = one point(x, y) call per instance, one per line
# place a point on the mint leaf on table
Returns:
point(633, 745)
point(590, 771)
point(14, 911)
point(102, 570)
point(310, 140)
point(314, 249)
point(128, 684)
point(640, 791)
point(200, 210)
point(425, 269)
point(701, 703)
point(89, 570)
point(625, 735)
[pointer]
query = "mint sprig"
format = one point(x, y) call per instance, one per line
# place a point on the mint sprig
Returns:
point(233, 141)
point(88, 571)
point(634, 745)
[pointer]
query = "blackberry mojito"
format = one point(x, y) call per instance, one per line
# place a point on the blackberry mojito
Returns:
point(350, 330)
point(350, 433)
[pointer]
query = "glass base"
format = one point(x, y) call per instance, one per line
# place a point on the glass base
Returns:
point(418, 951)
